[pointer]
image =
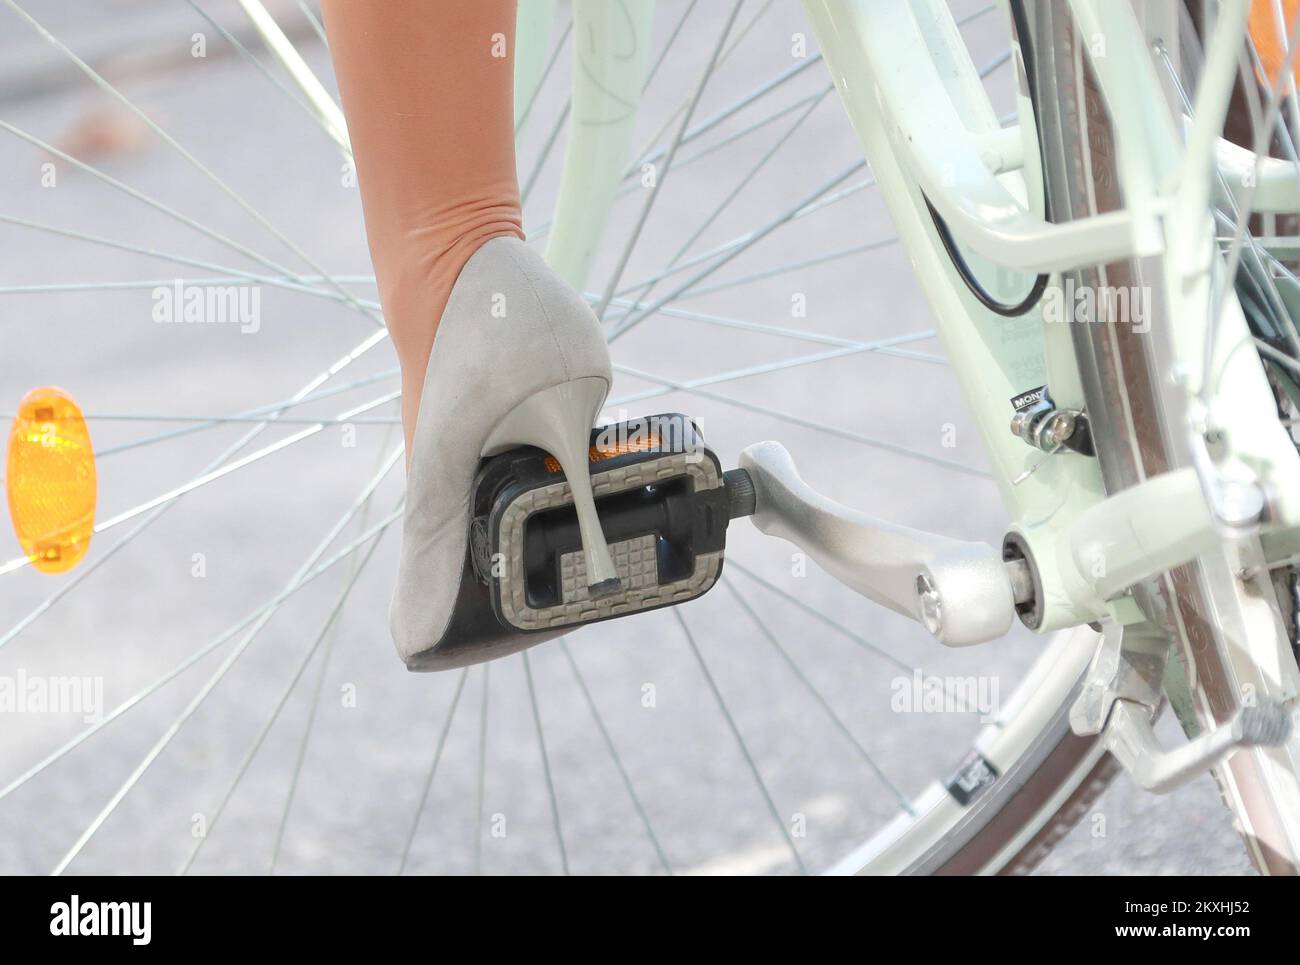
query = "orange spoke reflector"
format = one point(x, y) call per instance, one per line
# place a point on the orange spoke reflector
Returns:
point(1270, 37)
point(50, 480)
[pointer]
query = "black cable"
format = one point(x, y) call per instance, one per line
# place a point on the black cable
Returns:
point(1006, 309)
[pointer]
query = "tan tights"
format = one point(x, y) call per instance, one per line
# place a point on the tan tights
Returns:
point(428, 97)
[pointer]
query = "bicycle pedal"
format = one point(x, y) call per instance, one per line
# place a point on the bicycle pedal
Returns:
point(664, 503)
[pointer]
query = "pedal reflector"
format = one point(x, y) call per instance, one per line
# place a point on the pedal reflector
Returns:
point(50, 480)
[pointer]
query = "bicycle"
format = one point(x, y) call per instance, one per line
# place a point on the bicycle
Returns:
point(1146, 467)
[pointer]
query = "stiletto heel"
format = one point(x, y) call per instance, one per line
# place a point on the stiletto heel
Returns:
point(559, 421)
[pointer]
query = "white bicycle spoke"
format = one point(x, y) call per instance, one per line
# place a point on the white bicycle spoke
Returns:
point(249, 57)
point(249, 415)
point(290, 687)
point(787, 267)
point(551, 61)
point(650, 156)
point(174, 728)
point(885, 345)
point(1263, 135)
point(746, 178)
point(481, 783)
point(193, 161)
point(615, 756)
point(427, 786)
point(272, 280)
point(807, 423)
point(627, 324)
point(740, 741)
point(546, 762)
point(820, 699)
point(632, 185)
point(151, 202)
point(331, 629)
point(736, 375)
point(314, 20)
point(262, 612)
point(611, 286)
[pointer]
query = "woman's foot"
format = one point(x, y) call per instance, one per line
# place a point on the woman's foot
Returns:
point(519, 359)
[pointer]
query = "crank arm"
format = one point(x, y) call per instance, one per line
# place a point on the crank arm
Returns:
point(963, 593)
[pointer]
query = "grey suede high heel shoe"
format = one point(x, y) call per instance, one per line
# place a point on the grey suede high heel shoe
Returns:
point(519, 359)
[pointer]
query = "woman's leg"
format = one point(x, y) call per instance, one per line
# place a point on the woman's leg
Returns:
point(428, 99)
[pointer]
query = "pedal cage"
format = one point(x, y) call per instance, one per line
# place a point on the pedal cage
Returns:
point(664, 506)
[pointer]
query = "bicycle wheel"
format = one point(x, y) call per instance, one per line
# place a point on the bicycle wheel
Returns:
point(288, 738)
point(1226, 624)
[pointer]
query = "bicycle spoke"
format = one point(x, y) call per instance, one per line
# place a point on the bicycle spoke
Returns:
point(307, 288)
point(238, 417)
point(635, 234)
point(547, 146)
point(482, 771)
point(775, 83)
point(789, 266)
point(961, 703)
point(740, 742)
point(433, 770)
point(615, 756)
point(752, 173)
point(546, 762)
point(885, 346)
point(632, 185)
point(292, 685)
point(807, 423)
point(1260, 149)
point(313, 704)
point(668, 45)
point(740, 186)
point(627, 324)
point(265, 71)
point(269, 607)
point(193, 161)
point(314, 21)
point(145, 199)
point(197, 700)
point(272, 280)
point(546, 73)
point(736, 375)
point(734, 247)
point(820, 699)
point(741, 241)
point(1251, 97)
